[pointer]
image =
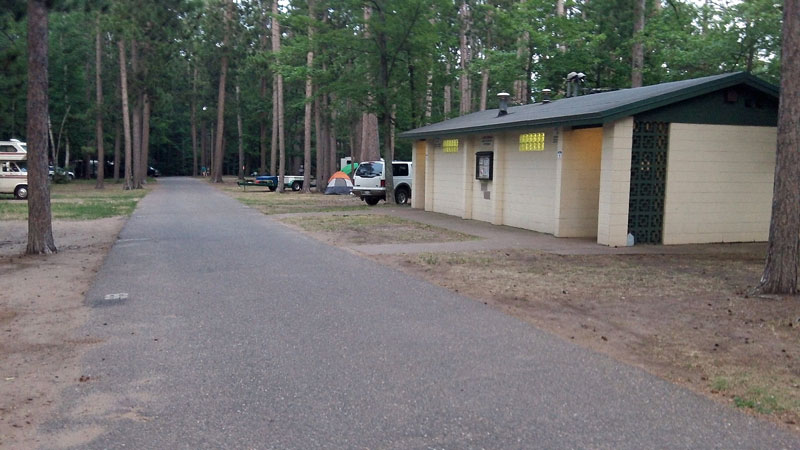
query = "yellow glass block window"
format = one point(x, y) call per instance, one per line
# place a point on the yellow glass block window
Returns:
point(531, 142)
point(450, 145)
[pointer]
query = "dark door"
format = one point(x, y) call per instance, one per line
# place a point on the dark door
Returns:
point(648, 181)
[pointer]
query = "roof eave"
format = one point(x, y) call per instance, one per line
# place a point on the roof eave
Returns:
point(585, 119)
point(612, 114)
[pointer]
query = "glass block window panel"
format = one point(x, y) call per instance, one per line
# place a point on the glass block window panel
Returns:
point(531, 142)
point(450, 145)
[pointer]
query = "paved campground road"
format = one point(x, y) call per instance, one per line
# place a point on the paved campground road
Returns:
point(237, 332)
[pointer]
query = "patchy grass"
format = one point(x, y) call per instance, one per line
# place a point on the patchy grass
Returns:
point(358, 229)
point(687, 318)
point(289, 202)
point(79, 200)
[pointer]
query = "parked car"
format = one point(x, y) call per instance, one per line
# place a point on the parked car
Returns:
point(153, 172)
point(61, 172)
point(369, 183)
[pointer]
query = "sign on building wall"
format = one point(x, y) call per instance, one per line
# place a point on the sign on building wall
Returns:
point(483, 165)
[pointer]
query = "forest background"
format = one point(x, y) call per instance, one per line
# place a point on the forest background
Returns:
point(308, 82)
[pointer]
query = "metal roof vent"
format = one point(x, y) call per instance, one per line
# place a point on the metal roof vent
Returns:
point(503, 96)
point(545, 96)
point(574, 80)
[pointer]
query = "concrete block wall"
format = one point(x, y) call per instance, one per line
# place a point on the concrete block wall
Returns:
point(447, 191)
point(483, 195)
point(419, 160)
point(579, 193)
point(615, 181)
point(529, 185)
point(719, 183)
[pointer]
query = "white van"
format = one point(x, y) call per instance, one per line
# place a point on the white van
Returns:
point(13, 173)
point(369, 182)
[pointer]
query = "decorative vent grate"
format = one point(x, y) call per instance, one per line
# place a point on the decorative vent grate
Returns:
point(648, 181)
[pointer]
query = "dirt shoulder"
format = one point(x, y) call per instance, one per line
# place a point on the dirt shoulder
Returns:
point(41, 306)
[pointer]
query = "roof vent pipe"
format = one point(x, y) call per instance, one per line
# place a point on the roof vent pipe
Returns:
point(545, 96)
point(574, 80)
point(503, 96)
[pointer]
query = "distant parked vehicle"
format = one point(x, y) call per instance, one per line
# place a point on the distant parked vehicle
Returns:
point(13, 174)
point(369, 183)
point(293, 182)
point(61, 172)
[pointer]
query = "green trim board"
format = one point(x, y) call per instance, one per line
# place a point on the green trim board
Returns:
point(593, 109)
point(738, 105)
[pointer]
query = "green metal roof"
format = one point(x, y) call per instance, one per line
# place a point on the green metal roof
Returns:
point(594, 109)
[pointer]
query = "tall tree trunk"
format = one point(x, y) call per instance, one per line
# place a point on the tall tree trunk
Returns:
point(52, 141)
point(136, 133)
point(239, 130)
point(101, 154)
point(86, 173)
point(520, 90)
point(117, 148)
point(57, 150)
point(484, 88)
point(331, 134)
point(281, 137)
point(429, 97)
point(412, 91)
point(560, 13)
point(136, 121)
point(273, 155)
point(40, 227)
point(262, 118)
point(448, 93)
point(392, 129)
point(145, 153)
point(783, 252)
point(126, 120)
point(319, 140)
point(464, 83)
point(308, 96)
point(218, 150)
point(194, 121)
point(637, 50)
point(383, 103)
point(276, 48)
point(203, 165)
point(370, 136)
point(262, 129)
point(485, 71)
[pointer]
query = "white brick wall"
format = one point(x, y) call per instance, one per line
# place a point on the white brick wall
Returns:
point(719, 183)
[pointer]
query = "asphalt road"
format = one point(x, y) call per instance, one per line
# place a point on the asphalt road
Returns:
point(239, 333)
